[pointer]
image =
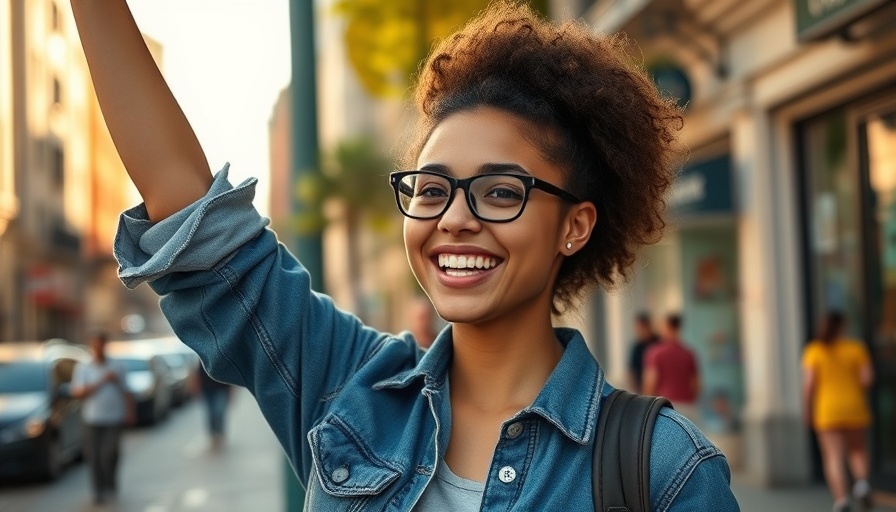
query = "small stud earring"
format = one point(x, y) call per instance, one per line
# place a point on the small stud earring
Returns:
point(569, 245)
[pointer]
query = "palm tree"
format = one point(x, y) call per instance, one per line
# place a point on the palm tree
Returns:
point(355, 175)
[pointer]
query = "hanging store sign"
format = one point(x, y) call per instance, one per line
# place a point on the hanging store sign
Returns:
point(703, 188)
point(46, 285)
point(816, 19)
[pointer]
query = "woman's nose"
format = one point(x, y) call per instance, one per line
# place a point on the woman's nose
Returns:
point(458, 216)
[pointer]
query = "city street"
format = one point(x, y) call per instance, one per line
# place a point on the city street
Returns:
point(725, 173)
point(170, 468)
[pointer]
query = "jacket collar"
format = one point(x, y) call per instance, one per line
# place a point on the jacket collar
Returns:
point(432, 367)
point(569, 400)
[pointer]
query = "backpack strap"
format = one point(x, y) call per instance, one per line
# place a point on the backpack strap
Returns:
point(621, 458)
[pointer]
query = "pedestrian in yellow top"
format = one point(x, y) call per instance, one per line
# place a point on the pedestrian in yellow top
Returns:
point(836, 374)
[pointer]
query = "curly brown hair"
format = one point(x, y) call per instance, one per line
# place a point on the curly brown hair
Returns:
point(600, 119)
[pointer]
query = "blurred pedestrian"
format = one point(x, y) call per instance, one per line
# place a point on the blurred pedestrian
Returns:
point(837, 373)
point(216, 396)
point(645, 338)
point(671, 370)
point(107, 407)
point(423, 321)
point(516, 112)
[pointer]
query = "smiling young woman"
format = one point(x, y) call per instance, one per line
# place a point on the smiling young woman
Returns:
point(542, 159)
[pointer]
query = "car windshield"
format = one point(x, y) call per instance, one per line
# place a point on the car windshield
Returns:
point(132, 365)
point(22, 377)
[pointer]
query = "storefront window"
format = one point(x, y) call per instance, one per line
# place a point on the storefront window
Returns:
point(880, 136)
point(694, 273)
point(709, 279)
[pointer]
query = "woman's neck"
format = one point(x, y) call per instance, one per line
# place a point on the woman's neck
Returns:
point(502, 366)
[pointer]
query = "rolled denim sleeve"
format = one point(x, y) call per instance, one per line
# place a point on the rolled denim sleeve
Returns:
point(237, 297)
point(213, 227)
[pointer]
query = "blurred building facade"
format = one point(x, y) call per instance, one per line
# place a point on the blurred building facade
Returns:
point(47, 272)
point(62, 185)
point(784, 209)
point(8, 198)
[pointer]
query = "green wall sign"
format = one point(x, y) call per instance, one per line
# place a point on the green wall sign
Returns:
point(703, 188)
point(672, 81)
point(816, 19)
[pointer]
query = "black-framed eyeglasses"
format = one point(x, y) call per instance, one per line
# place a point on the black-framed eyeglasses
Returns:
point(497, 197)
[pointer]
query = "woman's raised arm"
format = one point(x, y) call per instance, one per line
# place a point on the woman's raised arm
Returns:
point(154, 139)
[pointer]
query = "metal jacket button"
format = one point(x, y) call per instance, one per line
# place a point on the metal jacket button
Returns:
point(514, 430)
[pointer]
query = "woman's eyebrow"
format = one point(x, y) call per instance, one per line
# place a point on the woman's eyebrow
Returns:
point(502, 168)
point(437, 168)
point(489, 168)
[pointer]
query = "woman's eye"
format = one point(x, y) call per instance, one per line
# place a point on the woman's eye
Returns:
point(505, 193)
point(430, 191)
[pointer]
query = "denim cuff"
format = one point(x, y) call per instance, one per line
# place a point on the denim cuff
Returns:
point(196, 238)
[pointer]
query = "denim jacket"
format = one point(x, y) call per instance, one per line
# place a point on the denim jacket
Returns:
point(364, 416)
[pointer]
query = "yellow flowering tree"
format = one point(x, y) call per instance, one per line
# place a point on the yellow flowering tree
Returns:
point(387, 40)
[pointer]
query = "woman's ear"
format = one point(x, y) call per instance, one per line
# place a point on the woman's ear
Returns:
point(577, 227)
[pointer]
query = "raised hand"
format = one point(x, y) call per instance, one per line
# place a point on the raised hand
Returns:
point(154, 139)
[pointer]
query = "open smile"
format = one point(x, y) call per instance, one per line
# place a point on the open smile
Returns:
point(465, 265)
point(460, 263)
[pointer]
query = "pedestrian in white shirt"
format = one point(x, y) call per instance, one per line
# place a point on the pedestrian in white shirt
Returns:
point(107, 407)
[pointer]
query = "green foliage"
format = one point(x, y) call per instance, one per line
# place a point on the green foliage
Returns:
point(387, 40)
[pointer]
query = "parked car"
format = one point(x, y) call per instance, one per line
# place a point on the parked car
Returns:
point(40, 423)
point(183, 363)
point(146, 376)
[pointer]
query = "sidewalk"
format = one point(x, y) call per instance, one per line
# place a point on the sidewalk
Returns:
point(752, 498)
point(810, 498)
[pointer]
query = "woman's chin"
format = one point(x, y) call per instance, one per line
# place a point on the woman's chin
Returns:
point(459, 313)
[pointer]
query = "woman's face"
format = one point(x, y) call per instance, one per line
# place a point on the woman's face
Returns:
point(522, 257)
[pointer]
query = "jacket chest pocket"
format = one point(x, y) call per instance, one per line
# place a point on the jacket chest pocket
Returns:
point(345, 469)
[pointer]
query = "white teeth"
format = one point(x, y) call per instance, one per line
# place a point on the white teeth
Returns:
point(459, 272)
point(453, 261)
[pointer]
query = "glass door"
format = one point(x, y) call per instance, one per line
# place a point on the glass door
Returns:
point(877, 136)
point(832, 229)
point(832, 221)
point(849, 216)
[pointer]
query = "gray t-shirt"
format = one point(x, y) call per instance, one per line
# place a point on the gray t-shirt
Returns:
point(106, 406)
point(448, 491)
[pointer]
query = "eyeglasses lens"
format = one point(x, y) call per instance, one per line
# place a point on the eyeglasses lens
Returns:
point(492, 197)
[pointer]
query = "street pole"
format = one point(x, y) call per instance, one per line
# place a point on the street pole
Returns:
point(307, 247)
